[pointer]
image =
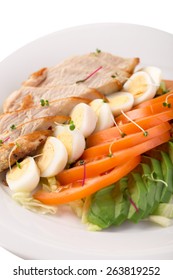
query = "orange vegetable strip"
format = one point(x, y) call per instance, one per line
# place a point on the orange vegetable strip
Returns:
point(155, 100)
point(143, 112)
point(125, 142)
point(74, 191)
point(97, 167)
point(112, 133)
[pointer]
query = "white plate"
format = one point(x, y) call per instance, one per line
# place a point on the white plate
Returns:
point(33, 236)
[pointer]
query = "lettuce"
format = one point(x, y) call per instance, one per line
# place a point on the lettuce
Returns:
point(28, 202)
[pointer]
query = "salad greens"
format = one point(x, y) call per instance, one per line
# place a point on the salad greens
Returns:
point(145, 194)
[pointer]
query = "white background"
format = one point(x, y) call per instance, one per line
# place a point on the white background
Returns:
point(22, 21)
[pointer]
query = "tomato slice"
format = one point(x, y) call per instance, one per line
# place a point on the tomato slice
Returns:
point(74, 191)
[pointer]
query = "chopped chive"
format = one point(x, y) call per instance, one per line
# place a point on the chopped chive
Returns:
point(18, 164)
point(47, 103)
point(72, 125)
point(114, 76)
point(166, 103)
point(44, 102)
point(17, 144)
point(13, 127)
point(98, 51)
point(105, 101)
point(110, 155)
point(145, 133)
point(123, 134)
point(81, 162)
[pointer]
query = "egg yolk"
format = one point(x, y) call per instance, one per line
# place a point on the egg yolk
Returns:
point(67, 139)
point(17, 172)
point(138, 86)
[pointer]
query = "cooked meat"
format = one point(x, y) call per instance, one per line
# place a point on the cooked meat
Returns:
point(21, 147)
point(59, 107)
point(60, 81)
point(86, 64)
point(45, 123)
point(27, 97)
point(75, 80)
point(36, 78)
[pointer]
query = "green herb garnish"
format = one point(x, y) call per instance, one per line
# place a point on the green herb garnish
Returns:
point(44, 102)
point(72, 125)
point(17, 144)
point(98, 51)
point(18, 165)
point(13, 127)
point(1, 141)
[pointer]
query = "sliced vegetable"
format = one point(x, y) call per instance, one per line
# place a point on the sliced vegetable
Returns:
point(112, 133)
point(75, 191)
point(160, 98)
point(143, 112)
point(27, 201)
point(126, 142)
point(97, 167)
point(164, 210)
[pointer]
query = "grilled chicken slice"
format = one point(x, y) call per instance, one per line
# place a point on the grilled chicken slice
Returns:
point(86, 64)
point(60, 81)
point(45, 123)
point(36, 78)
point(27, 97)
point(21, 147)
point(59, 107)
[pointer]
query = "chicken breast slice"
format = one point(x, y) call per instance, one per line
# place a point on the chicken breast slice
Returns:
point(61, 107)
point(21, 147)
point(45, 123)
point(27, 97)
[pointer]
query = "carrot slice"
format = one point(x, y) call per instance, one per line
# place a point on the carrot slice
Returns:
point(74, 191)
point(143, 112)
point(126, 142)
point(97, 167)
point(155, 100)
point(112, 133)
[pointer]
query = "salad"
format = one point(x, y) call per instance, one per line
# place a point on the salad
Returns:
point(111, 161)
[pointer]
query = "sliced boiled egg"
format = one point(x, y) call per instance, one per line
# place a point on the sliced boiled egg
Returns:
point(141, 85)
point(73, 140)
point(23, 177)
point(104, 114)
point(84, 118)
point(155, 73)
point(53, 157)
point(120, 101)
